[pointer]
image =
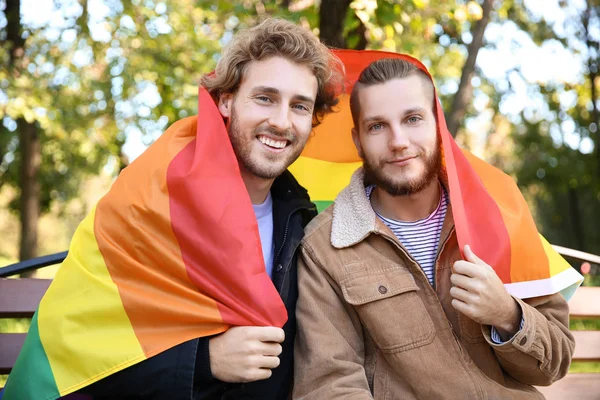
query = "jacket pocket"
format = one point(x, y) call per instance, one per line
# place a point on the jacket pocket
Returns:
point(390, 308)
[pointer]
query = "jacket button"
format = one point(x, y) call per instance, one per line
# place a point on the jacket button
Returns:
point(523, 341)
point(382, 289)
point(279, 268)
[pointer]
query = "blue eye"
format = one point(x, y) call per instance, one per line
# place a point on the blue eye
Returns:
point(301, 107)
point(263, 99)
point(376, 127)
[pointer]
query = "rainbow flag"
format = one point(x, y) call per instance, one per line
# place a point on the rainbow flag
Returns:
point(490, 213)
point(171, 253)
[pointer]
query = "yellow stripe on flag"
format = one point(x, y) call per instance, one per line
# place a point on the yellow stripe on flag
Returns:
point(82, 298)
point(557, 263)
point(309, 172)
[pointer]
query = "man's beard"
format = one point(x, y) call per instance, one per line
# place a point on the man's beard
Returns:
point(374, 175)
point(271, 165)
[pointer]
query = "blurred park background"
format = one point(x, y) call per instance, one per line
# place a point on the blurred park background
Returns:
point(87, 85)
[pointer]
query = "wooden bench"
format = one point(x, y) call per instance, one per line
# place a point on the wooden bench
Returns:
point(19, 298)
point(585, 304)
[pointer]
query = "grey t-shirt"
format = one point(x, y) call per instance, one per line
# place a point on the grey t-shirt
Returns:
point(264, 217)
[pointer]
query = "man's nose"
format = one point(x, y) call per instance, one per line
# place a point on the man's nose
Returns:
point(280, 119)
point(398, 139)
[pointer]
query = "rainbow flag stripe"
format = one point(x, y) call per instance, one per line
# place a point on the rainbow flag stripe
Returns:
point(489, 211)
point(146, 272)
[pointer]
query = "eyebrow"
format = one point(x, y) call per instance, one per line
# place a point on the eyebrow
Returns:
point(374, 118)
point(272, 90)
point(413, 110)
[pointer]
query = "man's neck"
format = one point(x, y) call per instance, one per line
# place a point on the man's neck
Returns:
point(407, 208)
point(258, 188)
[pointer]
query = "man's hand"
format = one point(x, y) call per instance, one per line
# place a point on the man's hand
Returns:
point(479, 294)
point(245, 353)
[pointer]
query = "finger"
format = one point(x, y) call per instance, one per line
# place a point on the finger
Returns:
point(467, 268)
point(472, 257)
point(461, 307)
point(462, 295)
point(271, 349)
point(462, 281)
point(269, 334)
point(258, 374)
point(269, 362)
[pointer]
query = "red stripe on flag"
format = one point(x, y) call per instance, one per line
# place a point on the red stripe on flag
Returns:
point(213, 220)
point(477, 217)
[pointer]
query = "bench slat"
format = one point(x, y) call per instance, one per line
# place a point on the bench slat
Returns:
point(574, 386)
point(585, 303)
point(10, 346)
point(587, 346)
point(19, 298)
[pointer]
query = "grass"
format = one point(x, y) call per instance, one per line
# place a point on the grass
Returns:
point(13, 325)
point(578, 367)
point(584, 325)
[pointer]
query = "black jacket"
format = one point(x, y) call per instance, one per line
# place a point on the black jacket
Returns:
point(183, 372)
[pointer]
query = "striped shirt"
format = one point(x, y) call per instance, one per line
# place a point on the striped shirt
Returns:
point(420, 238)
point(496, 336)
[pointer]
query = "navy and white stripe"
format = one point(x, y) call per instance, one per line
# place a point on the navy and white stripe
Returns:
point(495, 336)
point(420, 238)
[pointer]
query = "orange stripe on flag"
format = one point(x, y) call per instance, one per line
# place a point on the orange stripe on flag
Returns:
point(525, 245)
point(135, 237)
point(332, 139)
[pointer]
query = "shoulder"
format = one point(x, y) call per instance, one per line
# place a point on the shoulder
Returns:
point(318, 230)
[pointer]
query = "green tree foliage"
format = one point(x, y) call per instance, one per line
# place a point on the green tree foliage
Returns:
point(88, 78)
point(555, 137)
point(110, 70)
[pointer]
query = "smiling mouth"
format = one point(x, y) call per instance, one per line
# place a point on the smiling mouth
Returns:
point(402, 160)
point(273, 143)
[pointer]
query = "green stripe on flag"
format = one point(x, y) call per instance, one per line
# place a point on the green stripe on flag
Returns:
point(31, 378)
point(321, 205)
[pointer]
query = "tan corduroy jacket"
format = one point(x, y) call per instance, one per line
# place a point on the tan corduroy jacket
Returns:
point(371, 326)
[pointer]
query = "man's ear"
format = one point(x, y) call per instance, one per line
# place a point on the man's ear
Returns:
point(356, 140)
point(226, 104)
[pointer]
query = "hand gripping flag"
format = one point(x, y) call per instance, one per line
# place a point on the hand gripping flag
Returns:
point(490, 214)
point(171, 253)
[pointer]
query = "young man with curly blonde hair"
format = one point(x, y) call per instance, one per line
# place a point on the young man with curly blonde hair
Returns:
point(272, 85)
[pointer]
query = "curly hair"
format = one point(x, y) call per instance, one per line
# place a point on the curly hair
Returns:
point(278, 37)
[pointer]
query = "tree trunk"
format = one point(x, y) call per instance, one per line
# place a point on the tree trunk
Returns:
point(464, 93)
point(575, 218)
point(29, 142)
point(592, 64)
point(332, 14)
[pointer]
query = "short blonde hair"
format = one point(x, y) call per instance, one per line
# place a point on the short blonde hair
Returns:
point(278, 37)
point(382, 71)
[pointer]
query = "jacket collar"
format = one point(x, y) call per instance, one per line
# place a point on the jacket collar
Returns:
point(354, 218)
point(286, 188)
point(289, 198)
